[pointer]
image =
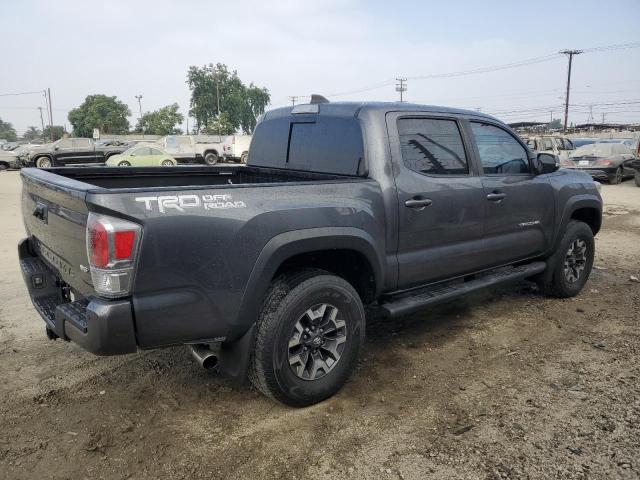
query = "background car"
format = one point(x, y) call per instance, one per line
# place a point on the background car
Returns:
point(581, 142)
point(142, 156)
point(612, 161)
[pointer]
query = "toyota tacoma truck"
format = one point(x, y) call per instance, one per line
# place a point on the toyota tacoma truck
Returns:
point(264, 271)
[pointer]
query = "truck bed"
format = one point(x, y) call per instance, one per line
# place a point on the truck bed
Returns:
point(187, 176)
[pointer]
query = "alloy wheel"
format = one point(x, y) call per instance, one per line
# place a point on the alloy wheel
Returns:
point(317, 342)
point(575, 260)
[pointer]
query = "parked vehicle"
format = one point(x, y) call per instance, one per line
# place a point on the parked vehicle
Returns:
point(555, 144)
point(142, 155)
point(193, 148)
point(236, 148)
point(71, 151)
point(264, 270)
point(581, 142)
point(610, 161)
point(9, 159)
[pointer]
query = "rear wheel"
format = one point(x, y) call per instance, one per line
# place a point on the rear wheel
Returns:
point(43, 162)
point(124, 163)
point(211, 158)
point(4, 166)
point(309, 333)
point(616, 178)
point(572, 261)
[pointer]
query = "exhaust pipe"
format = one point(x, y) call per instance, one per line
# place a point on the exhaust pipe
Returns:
point(206, 357)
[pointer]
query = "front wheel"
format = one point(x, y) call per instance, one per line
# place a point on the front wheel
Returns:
point(211, 158)
point(43, 162)
point(243, 157)
point(572, 261)
point(308, 336)
point(616, 178)
point(637, 178)
point(167, 163)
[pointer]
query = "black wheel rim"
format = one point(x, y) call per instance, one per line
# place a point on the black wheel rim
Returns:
point(575, 260)
point(317, 342)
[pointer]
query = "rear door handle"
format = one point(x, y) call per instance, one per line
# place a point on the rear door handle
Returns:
point(496, 196)
point(418, 203)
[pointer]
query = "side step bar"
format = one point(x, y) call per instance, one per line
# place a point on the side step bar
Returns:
point(415, 300)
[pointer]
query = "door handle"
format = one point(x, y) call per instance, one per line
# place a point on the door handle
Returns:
point(418, 203)
point(496, 196)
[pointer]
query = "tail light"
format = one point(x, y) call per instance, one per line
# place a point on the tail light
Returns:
point(604, 162)
point(112, 247)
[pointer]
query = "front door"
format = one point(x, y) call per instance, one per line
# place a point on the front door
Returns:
point(519, 206)
point(440, 197)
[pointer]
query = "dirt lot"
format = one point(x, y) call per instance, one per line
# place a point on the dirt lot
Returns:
point(505, 384)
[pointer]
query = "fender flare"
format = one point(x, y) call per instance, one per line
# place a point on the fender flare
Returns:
point(289, 244)
point(235, 353)
point(574, 203)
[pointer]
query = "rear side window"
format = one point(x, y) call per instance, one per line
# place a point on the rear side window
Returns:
point(432, 146)
point(81, 143)
point(500, 153)
point(313, 143)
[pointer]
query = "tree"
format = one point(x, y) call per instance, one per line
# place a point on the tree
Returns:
point(555, 124)
point(32, 133)
point(58, 132)
point(100, 111)
point(240, 104)
point(7, 132)
point(161, 122)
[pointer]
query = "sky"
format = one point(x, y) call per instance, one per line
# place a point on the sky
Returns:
point(346, 50)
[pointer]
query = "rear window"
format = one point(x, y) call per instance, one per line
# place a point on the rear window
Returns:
point(310, 143)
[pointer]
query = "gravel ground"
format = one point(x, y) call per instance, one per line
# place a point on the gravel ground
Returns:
point(502, 384)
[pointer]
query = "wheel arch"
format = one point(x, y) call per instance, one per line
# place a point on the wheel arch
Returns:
point(38, 157)
point(316, 247)
point(585, 208)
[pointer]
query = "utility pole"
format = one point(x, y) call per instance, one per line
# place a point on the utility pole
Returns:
point(139, 97)
point(46, 103)
point(401, 87)
point(50, 113)
point(188, 125)
point(570, 53)
point(41, 121)
point(603, 115)
point(293, 98)
point(215, 77)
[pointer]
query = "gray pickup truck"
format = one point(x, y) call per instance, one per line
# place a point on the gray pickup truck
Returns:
point(264, 270)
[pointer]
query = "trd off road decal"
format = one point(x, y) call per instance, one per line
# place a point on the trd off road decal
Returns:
point(184, 202)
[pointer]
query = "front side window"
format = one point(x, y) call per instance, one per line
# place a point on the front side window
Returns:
point(141, 151)
point(500, 153)
point(547, 144)
point(153, 151)
point(432, 146)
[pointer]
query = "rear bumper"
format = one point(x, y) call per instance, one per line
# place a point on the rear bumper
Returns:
point(102, 327)
point(600, 172)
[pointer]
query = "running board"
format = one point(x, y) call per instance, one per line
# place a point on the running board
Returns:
point(409, 302)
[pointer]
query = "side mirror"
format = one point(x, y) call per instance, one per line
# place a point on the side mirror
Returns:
point(546, 163)
point(57, 147)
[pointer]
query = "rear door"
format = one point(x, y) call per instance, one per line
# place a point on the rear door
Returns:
point(440, 197)
point(519, 206)
point(77, 151)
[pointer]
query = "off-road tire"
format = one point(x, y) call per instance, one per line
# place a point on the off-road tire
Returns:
point(289, 296)
point(211, 158)
point(616, 178)
point(43, 162)
point(243, 157)
point(556, 283)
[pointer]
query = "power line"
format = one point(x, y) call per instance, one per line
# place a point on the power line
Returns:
point(19, 93)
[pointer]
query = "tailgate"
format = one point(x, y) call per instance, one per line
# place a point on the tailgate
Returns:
point(55, 217)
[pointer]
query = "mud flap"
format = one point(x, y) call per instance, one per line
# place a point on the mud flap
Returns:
point(234, 359)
